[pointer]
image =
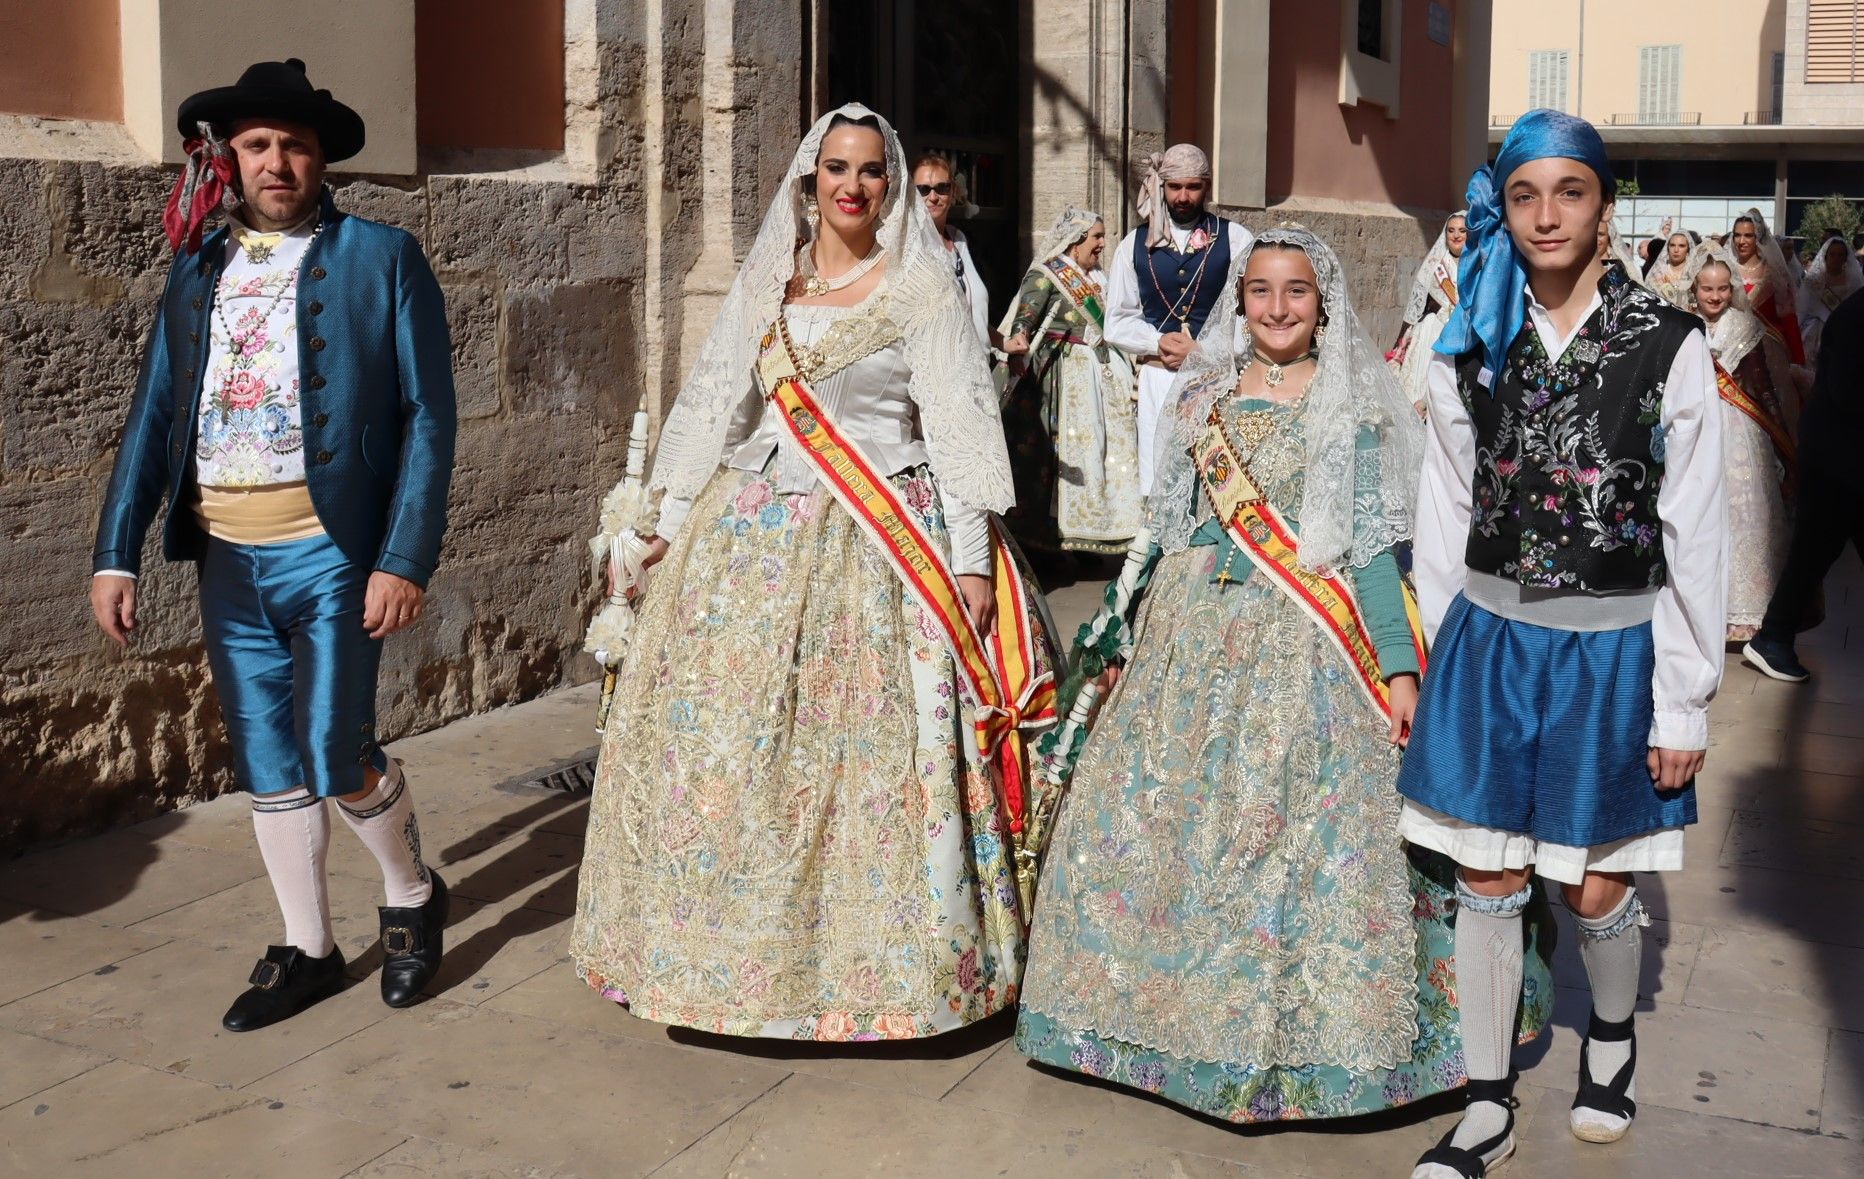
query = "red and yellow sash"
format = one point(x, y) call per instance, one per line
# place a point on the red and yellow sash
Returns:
point(1446, 282)
point(1259, 530)
point(1736, 396)
point(1001, 672)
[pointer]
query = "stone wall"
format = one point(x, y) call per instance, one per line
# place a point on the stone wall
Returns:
point(542, 295)
point(566, 288)
point(1380, 247)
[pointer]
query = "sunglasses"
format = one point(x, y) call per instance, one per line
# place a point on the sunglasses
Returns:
point(943, 189)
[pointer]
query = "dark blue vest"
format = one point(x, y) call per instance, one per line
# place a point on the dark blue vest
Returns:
point(1171, 287)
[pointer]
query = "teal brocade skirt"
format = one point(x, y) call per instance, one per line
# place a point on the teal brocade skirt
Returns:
point(1227, 916)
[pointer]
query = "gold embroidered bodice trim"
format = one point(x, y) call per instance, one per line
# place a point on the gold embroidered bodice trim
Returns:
point(847, 341)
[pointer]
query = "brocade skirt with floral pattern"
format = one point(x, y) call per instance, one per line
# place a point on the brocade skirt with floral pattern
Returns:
point(1227, 916)
point(791, 833)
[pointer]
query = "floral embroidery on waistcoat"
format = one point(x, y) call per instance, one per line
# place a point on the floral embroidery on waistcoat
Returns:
point(1563, 465)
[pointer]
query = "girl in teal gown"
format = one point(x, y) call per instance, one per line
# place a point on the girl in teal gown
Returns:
point(1227, 917)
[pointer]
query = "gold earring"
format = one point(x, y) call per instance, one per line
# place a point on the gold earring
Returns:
point(1320, 334)
point(812, 212)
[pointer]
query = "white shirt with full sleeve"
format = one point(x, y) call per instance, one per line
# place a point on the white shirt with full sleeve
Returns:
point(1129, 331)
point(1687, 613)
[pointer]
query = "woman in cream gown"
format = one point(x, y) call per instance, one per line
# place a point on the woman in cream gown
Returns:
point(792, 832)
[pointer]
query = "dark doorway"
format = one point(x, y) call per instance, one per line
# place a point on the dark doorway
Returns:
point(945, 75)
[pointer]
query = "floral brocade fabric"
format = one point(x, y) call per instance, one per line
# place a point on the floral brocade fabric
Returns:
point(1227, 916)
point(791, 834)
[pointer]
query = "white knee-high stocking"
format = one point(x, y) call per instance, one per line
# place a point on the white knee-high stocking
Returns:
point(293, 829)
point(383, 818)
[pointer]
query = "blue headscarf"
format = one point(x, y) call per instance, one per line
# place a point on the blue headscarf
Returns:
point(1491, 283)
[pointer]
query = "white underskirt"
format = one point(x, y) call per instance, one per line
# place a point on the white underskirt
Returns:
point(1490, 850)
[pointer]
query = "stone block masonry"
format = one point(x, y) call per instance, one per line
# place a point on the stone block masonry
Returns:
point(543, 282)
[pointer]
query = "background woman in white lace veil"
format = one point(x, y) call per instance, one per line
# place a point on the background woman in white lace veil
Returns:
point(792, 833)
point(1261, 959)
point(1833, 275)
point(1433, 295)
point(1764, 274)
point(1670, 276)
point(1069, 408)
point(1748, 354)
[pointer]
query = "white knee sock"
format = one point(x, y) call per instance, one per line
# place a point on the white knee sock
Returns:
point(383, 818)
point(1612, 948)
point(294, 838)
point(1488, 992)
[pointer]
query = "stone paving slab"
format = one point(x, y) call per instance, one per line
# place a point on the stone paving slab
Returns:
point(927, 1068)
point(39, 951)
point(118, 954)
point(550, 1095)
point(162, 1010)
point(120, 1120)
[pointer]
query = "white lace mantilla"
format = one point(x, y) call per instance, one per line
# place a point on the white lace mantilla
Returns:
point(950, 382)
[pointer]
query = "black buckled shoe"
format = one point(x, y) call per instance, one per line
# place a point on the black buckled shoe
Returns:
point(285, 982)
point(412, 942)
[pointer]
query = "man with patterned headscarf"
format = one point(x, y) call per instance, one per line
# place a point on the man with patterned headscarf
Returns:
point(1165, 277)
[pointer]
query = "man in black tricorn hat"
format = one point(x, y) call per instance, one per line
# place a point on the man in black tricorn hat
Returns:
point(295, 405)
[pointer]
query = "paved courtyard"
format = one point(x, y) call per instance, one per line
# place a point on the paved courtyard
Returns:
point(119, 953)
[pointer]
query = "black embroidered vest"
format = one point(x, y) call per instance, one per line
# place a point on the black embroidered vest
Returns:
point(1177, 291)
point(1569, 449)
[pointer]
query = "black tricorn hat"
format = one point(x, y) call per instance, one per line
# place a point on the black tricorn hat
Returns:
point(276, 90)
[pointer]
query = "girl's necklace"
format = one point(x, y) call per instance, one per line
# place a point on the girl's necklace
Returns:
point(1277, 372)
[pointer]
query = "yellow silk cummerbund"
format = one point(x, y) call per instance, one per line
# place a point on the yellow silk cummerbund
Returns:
point(258, 515)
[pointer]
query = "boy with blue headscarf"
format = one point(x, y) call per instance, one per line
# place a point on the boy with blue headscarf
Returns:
point(1571, 568)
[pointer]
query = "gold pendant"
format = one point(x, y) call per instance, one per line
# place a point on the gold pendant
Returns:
point(1275, 376)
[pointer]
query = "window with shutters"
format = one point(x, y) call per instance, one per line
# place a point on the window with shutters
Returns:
point(1546, 79)
point(1832, 31)
point(1659, 83)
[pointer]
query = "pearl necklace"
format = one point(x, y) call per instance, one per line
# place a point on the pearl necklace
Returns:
point(814, 286)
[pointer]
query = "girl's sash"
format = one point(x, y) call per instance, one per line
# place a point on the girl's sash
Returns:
point(1260, 531)
point(1783, 448)
point(1001, 672)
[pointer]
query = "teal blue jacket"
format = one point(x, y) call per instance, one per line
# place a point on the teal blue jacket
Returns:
point(375, 366)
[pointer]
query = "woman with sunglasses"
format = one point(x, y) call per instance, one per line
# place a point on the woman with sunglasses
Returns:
point(935, 181)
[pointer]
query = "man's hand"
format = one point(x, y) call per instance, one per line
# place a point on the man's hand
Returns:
point(1017, 345)
point(980, 602)
point(113, 604)
point(1673, 769)
point(1175, 348)
point(390, 604)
